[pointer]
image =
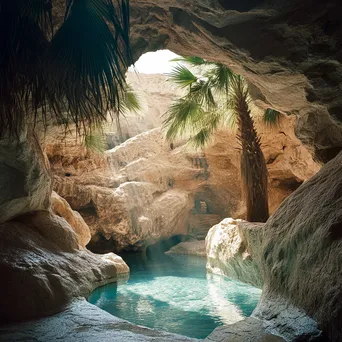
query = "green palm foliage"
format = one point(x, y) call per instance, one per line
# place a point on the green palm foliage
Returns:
point(129, 102)
point(216, 97)
point(61, 60)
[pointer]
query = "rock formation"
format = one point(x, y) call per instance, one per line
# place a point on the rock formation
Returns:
point(230, 253)
point(122, 194)
point(45, 268)
point(62, 208)
point(301, 253)
point(290, 51)
point(25, 181)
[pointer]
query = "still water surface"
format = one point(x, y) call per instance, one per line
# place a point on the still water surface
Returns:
point(175, 294)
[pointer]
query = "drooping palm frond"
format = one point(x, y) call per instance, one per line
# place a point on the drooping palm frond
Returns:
point(184, 114)
point(77, 72)
point(272, 117)
point(221, 77)
point(182, 76)
point(129, 101)
point(95, 141)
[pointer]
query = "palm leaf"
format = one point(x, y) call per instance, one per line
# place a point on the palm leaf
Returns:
point(183, 114)
point(129, 101)
point(182, 76)
point(272, 117)
point(79, 73)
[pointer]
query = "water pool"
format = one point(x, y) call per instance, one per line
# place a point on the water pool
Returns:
point(175, 294)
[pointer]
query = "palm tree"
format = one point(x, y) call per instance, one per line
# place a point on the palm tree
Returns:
point(214, 96)
point(71, 69)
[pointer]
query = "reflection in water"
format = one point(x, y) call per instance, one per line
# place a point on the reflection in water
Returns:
point(174, 293)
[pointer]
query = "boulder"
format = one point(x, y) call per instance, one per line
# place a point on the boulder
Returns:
point(230, 251)
point(301, 254)
point(44, 269)
point(62, 208)
point(196, 248)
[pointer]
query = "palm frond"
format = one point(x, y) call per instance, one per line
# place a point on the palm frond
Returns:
point(183, 114)
point(221, 77)
point(129, 101)
point(95, 141)
point(272, 117)
point(78, 73)
point(182, 76)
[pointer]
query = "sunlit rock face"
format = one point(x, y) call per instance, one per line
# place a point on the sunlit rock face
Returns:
point(62, 208)
point(230, 248)
point(301, 253)
point(290, 51)
point(123, 194)
point(44, 267)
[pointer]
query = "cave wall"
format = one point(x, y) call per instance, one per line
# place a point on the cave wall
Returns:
point(290, 51)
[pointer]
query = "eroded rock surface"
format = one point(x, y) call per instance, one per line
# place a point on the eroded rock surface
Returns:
point(301, 252)
point(230, 250)
point(25, 182)
point(124, 192)
point(44, 268)
point(189, 248)
point(62, 208)
point(84, 322)
point(290, 51)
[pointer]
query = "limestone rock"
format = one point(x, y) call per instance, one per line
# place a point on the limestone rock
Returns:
point(143, 174)
point(294, 64)
point(84, 322)
point(229, 253)
point(43, 268)
point(62, 208)
point(189, 248)
point(247, 330)
point(25, 182)
point(301, 251)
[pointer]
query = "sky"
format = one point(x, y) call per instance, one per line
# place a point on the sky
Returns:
point(155, 62)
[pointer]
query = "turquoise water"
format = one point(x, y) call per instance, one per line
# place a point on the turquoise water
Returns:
point(175, 294)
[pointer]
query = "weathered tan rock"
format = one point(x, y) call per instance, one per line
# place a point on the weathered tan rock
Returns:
point(25, 183)
point(62, 208)
point(145, 167)
point(189, 248)
point(301, 253)
point(43, 269)
point(290, 51)
point(229, 252)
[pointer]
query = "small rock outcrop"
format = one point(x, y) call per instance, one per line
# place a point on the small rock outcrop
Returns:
point(45, 268)
point(62, 208)
point(196, 248)
point(230, 250)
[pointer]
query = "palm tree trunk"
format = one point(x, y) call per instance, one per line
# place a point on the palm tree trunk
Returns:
point(253, 166)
